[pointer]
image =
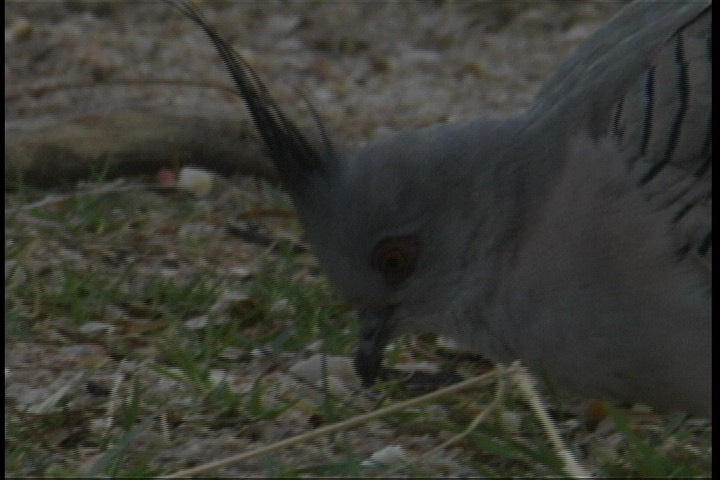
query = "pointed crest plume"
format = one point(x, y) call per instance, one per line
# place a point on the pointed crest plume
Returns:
point(293, 155)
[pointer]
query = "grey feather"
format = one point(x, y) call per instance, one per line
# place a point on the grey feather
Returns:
point(575, 237)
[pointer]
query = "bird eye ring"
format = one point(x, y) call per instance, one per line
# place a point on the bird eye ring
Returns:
point(395, 258)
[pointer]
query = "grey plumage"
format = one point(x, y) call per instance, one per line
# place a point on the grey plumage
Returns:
point(575, 237)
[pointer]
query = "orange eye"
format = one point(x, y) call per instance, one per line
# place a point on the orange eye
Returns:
point(395, 258)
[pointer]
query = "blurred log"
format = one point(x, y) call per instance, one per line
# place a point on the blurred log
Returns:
point(59, 152)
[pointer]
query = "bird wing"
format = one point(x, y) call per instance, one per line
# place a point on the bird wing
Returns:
point(645, 81)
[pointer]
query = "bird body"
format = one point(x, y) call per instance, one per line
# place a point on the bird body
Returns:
point(575, 237)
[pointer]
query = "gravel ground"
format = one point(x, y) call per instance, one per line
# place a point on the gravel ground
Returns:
point(369, 69)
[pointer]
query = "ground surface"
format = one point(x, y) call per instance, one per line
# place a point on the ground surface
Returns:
point(149, 330)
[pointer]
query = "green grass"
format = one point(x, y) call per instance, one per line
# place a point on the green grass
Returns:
point(183, 360)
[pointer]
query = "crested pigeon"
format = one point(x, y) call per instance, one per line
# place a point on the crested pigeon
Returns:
point(575, 236)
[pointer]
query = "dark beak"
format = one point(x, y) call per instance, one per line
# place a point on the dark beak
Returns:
point(375, 334)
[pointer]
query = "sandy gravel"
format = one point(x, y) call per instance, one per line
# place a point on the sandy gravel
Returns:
point(369, 68)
